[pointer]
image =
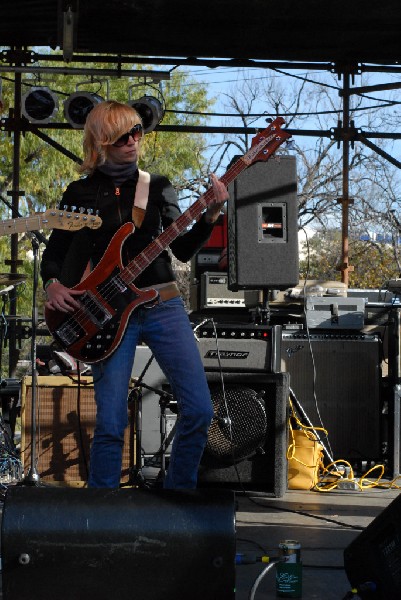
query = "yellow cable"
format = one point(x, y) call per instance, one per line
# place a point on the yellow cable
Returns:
point(328, 479)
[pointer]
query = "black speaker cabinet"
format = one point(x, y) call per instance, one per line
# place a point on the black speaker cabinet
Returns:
point(247, 440)
point(93, 544)
point(375, 556)
point(263, 226)
point(336, 379)
point(65, 420)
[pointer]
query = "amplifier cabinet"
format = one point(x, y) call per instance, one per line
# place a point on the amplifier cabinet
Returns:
point(250, 396)
point(336, 379)
point(65, 419)
point(265, 468)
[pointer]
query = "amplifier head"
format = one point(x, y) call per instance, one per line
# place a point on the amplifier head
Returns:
point(215, 293)
point(240, 347)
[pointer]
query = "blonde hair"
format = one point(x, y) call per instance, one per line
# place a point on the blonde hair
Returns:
point(105, 123)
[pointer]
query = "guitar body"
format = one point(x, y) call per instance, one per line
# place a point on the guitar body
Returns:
point(92, 333)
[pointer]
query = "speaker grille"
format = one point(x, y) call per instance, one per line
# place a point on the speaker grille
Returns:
point(239, 426)
point(261, 434)
point(347, 388)
point(65, 424)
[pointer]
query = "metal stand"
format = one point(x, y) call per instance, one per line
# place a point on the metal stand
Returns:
point(3, 330)
point(166, 401)
point(32, 477)
point(396, 430)
point(261, 314)
point(136, 478)
point(395, 385)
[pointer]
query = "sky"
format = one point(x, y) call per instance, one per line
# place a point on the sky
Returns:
point(223, 80)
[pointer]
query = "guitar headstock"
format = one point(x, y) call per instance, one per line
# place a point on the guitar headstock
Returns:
point(266, 142)
point(70, 220)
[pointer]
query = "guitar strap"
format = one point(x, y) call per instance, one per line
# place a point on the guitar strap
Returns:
point(141, 198)
point(138, 209)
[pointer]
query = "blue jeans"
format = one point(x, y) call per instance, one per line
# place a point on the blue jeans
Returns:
point(166, 329)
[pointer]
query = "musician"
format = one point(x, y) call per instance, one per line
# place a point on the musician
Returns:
point(112, 139)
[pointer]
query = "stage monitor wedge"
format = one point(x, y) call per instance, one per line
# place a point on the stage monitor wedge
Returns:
point(263, 226)
point(96, 544)
point(373, 559)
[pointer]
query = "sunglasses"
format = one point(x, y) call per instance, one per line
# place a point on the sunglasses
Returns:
point(135, 133)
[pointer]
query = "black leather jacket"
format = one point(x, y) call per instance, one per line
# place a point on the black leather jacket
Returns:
point(68, 253)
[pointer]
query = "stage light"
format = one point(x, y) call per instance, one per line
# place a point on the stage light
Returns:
point(39, 105)
point(78, 106)
point(150, 110)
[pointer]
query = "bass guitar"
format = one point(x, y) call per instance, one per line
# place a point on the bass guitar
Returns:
point(51, 219)
point(93, 332)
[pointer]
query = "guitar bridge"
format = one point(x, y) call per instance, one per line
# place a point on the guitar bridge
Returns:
point(94, 310)
point(68, 333)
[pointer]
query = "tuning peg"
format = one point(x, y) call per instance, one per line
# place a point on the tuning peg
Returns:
point(73, 208)
point(269, 120)
point(290, 144)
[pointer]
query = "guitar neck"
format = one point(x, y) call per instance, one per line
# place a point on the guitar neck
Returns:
point(147, 256)
point(21, 225)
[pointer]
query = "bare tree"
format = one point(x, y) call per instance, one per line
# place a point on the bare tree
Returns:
point(314, 104)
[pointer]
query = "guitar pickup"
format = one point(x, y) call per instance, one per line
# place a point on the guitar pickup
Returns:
point(118, 284)
point(94, 310)
point(68, 333)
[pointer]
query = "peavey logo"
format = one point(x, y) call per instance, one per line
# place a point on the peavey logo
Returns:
point(227, 354)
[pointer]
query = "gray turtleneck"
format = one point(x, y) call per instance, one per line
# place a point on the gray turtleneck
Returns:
point(119, 173)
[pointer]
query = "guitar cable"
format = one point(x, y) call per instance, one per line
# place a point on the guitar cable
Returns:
point(226, 420)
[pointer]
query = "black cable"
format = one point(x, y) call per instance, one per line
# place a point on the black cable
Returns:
point(224, 398)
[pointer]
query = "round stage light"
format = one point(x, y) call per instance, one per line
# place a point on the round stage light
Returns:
point(150, 110)
point(78, 106)
point(39, 105)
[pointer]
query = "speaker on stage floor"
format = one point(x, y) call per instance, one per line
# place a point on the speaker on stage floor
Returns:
point(336, 379)
point(95, 544)
point(65, 422)
point(247, 440)
point(263, 227)
point(375, 556)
